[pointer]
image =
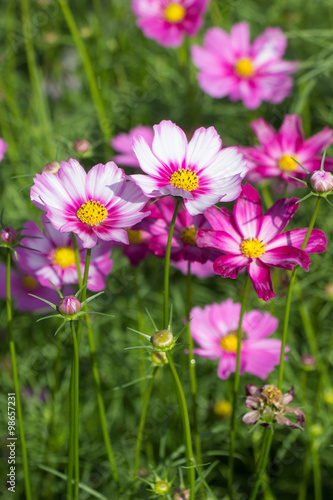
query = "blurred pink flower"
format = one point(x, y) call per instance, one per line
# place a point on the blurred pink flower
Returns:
point(95, 206)
point(249, 239)
point(215, 327)
point(167, 21)
point(3, 149)
point(54, 259)
point(199, 171)
point(198, 269)
point(122, 143)
point(273, 157)
point(230, 65)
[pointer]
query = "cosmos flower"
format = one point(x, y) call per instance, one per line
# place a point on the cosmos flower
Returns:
point(249, 239)
point(230, 66)
point(3, 149)
point(215, 327)
point(122, 143)
point(268, 405)
point(273, 157)
point(199, 171)
point(53, 259)
point(97, 205)
point(167, 21)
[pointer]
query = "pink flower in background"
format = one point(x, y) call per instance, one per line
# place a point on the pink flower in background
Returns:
point(249, 239)
point(199, 171)
point(167, 21)
point(123, 143)
point(3, 149)
point(54, 259)
point(94, 206)
point(201, 271)
point(230, 66)
point(272, 158)
point(215, 327)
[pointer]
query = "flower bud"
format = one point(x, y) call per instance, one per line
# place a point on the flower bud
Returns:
point(161, 487)
point(321, 181)
point(82, 146)
point(8, 235)
point(181, 494)
point(51, 168)
point(163, 340)
point(69, 305)
point(223, 409)
point(159, 358)
point(308, 361)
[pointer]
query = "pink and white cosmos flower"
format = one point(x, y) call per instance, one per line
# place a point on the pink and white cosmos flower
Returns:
point(199, 171)
point(3, 148)
point(122, 143)
point(215, 327)
point(52, 257)
point(249, 239)
point(167, 21)
point(273, 157)
point(230, 66)
point(97, 205)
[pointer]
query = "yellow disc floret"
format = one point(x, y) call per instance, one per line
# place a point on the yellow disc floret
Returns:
point(92, 213)
point(229, 342)
point(188, 235)
point(252, 247)
point(174, 13)
point(185, 179)
point(134, 237)
point(287, 163)
point(244, 68)
point(271, 394)
point(64, 257)
point(29, 283)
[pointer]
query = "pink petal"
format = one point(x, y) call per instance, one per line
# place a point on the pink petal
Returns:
point(261, 279)
point(276, 218)
point(170, 144)
point(291, 134)
point(240, 39)
point(258, 325)
point(105, 181)
point(286, 257)
point(271, 44)
point(251, 417)
point(228, 266)
point(317, 143)
point(227, 365)
point(267, 136)
point(203, 148)
point(248, 212)
point(222, 219)
point(148, 162)
point(316, 244)
point(217, 239)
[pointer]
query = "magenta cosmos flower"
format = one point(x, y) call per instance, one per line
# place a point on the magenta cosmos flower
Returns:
point(273, 157)
point(215, 327)
point(123, 143)
point(198, 171)
point(52, 257)
point(3, 149)
point(167, 21)
point(249, 239)
point(230, 65)
point(94, 206)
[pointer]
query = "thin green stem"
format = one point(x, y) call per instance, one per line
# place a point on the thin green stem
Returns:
point(236, 388)
point(71, 440)
point(263, 463)
point(104, 123)
point(186, 426)
point(77, 260)
point(75, 409)
point(140, 329)
point(167, 267)
point(15, 378)
point(142, 422)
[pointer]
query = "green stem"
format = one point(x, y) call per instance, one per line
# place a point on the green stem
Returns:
point(236, 388)
point(77, 260)
point(262, 463)
point(75, 409)
point(186, 426)
point(316, 471)
point(142, 422)
point(140, 329)
point(95, 93)
point(15, 378)
point(167, 267)
point(71, 436)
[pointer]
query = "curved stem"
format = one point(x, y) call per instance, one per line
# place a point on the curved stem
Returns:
point(262, 463)
point(77, 260)
point(75, 409)
point(15, 378)
point(167, 267)
point(71, 436)
point(236, 388)
point(142, 422)
point(186, 426)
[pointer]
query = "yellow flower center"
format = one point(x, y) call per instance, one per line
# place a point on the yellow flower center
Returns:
point(252, 247)
point(287, 163)
point(223, 409)
point(174, 13)
point(244, 67)
point(29, 283)
point(229, 342)
point(134, 237)
point(184, 179)
point(92, 213)
point(271, 394)
point(64, 257)
point(188, 235)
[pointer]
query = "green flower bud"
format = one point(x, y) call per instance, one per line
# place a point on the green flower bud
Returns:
point(162, 340)
point(161, 487)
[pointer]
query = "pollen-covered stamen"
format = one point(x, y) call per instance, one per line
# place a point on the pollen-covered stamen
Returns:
point(92, 213)
point(64, 257)
point(271, 395)
point(229, 342)
point(134, 237)
point(252, 247)
point(174, 13)
point(188, 235)
point(244, 67)
point(287, 164)
point(29, 283)
point(184, 179)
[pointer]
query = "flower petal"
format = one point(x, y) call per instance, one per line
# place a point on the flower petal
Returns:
point(248, 212)
point(222, 219)
point(267, 136)
point(148, 162)
point(286, 258)
point(261, 279)
point(276, 218)
point(228, 266)
point(220, 240)
point(251, 417)
point(203, 148)
point(258, 325)
point(170, 144)
point(316, 244)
